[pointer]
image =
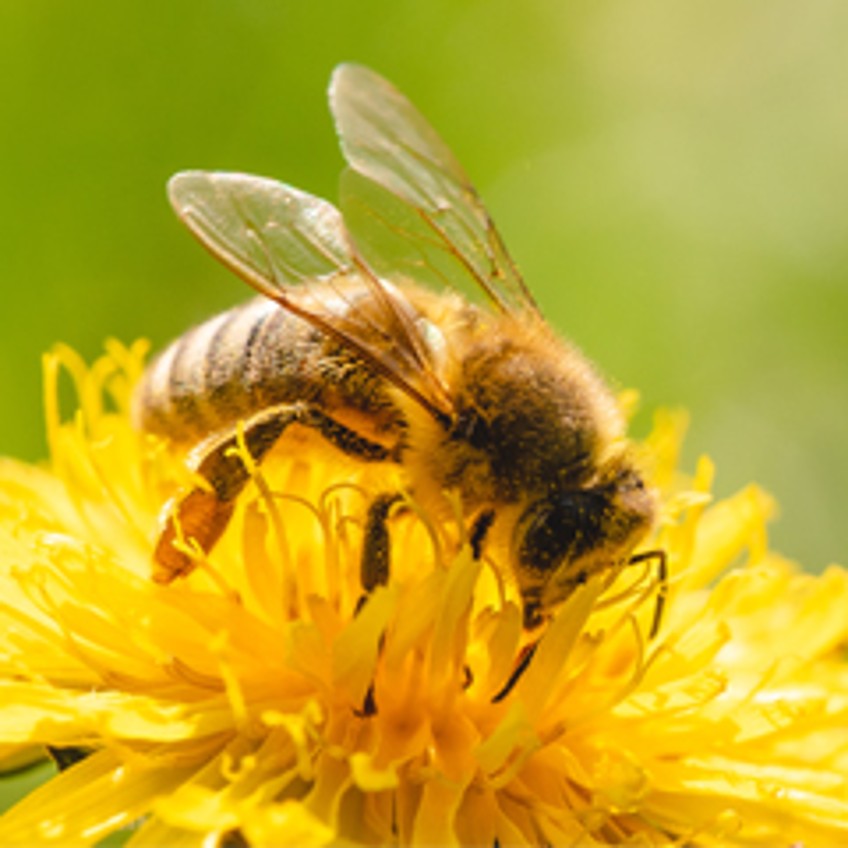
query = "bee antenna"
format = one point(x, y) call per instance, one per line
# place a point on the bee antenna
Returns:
point(662, 592)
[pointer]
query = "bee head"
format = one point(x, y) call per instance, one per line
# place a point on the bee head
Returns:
point(568, 535)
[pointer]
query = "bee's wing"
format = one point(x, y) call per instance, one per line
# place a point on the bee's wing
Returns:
point(276, 238)
point(409, 194)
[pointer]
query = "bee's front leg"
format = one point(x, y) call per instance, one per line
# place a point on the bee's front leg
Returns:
point(203, 513)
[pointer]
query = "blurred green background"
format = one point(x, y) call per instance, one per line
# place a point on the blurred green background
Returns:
point(672, 178)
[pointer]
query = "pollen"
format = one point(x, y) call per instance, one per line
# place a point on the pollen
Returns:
point(264, 700)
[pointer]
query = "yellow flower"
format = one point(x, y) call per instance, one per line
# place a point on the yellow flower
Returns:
point(249, 703)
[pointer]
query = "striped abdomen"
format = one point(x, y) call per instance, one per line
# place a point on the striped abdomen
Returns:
point(244, 360)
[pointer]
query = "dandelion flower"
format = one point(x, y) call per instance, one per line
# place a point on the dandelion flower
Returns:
point(250, 703)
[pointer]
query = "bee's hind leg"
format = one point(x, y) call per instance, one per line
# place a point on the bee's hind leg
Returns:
point(203, 513)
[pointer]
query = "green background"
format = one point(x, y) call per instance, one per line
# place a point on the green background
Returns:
point(671, 177)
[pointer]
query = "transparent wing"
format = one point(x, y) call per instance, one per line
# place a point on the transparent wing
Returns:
point(272, 235)
point(279, 239)
point(409, 195)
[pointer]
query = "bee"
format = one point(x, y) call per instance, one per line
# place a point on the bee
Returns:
point(352, 342)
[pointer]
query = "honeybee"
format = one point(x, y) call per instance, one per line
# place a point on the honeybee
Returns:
point(351, 341)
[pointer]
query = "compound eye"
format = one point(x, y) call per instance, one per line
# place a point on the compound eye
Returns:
point(550, 531)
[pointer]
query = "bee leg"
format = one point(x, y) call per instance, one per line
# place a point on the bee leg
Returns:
point(374, 568)
point(521, 666)
point(532, 618)
point(203, 513)
point(662, 592)
point(479, 531)
point(375, 564)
